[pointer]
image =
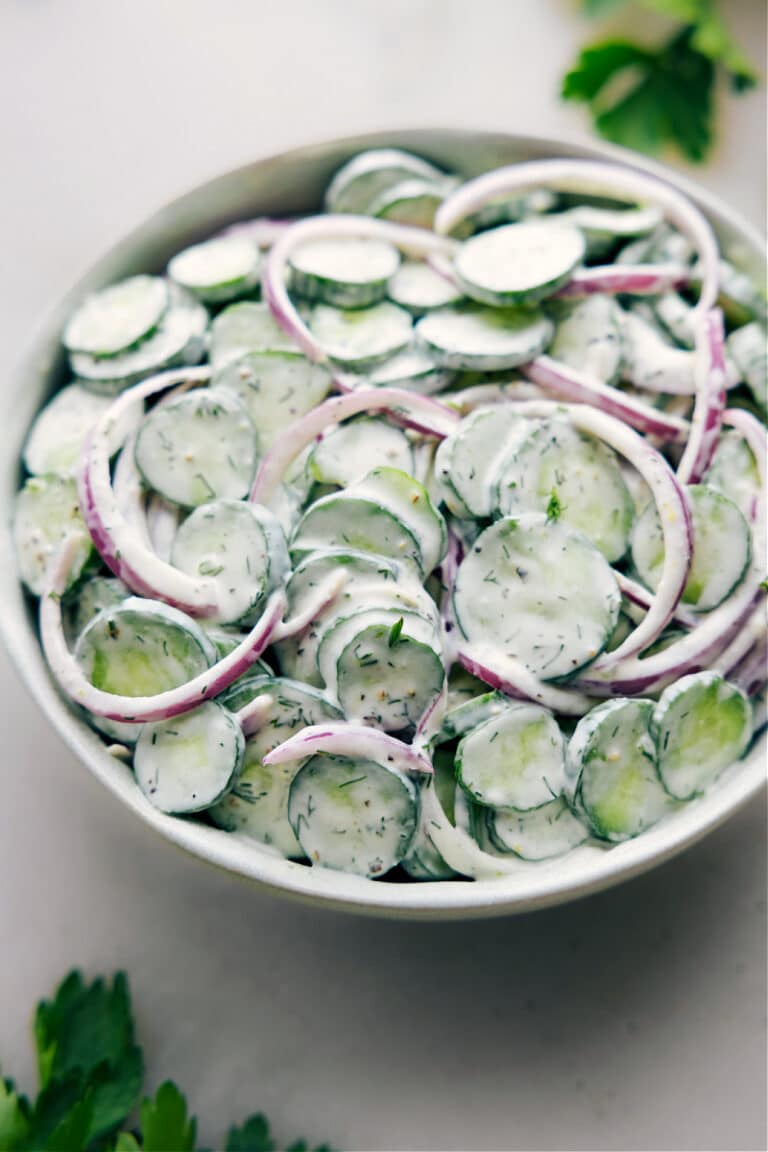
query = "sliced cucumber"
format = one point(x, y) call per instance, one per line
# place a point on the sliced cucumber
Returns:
point(217, 270)
point(117, 317)
point(551, 830)
point(555, 469)
point(611, 768)
point(604, 228)
point(677, 316)
point(409, 500)
point(468, 462)
point(276, 388)
point(413, 202)
point(362, 338)
point(188, 763)
point(539, 592)
point(418, 288)
point(178, 340)
point(352, 815)
point(424, 861)
point(702, 725)
point(514, 760)
point(362, 179)
point(741, 299)
point(386, 675)
point(588, 337)
point(241, 546)
point(505, 209)
point(488, 339)
point(651, 362)
point(734, 472)
point(396, 621)
point(721, 547)
point(198, 447)
point(142, 647)
point(471, 712)
point(359, 568)
point(91, 597)
point(46, 514)
point(518, 263)
point(347, 452)
point(246, 327)
point(412, 369)
point(345, 272)
point(257, 805)
point(748, 349)
point(344, 521)
point(56, 439)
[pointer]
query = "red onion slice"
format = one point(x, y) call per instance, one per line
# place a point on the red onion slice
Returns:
point(355, 740)
point(513, 679)
point(414, 241)
point(591, 177)
point(253, 716)
point(711, 385)
point(422, 413)
point(634, 280)
point(143, 709)
point(581, 388)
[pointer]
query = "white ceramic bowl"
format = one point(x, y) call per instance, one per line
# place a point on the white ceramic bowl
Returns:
point(282, 185)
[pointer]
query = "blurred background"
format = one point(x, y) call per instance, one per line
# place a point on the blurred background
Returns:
point(635, 1019)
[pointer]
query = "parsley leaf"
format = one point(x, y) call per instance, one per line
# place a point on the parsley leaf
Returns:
point(650, 97)
point(14, 1115)
point(165, 1125)
point(394, 633)
point(253, 1135)
point(554, 507)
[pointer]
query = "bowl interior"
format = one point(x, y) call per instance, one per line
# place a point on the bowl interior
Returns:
point(283, 185)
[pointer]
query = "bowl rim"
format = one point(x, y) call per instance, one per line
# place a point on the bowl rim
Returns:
point(578, 874)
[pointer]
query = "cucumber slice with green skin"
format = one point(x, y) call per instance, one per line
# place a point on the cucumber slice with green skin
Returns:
point(603, 228)
point(409, 500)
point(553, 468)
point(188, 763)
point(514, 760)
point(348, 451)
point(741, 299)
point(92, 596)
point(178, 340)
point(142, 647)
point(345, 272)
point(257, 805)
point(199, 447)
point(362, 179)
point(588, 337)
point(721, 547)
point(56, 439)
point(734, 472)
point(653, 363)
point(518, 263)
point(353, 815)
point(364, 337)
point(218, 270)
point(472, 713)
point(237, 545)
point(488, 339)
point(418, 288)
point(226, 639)
point(424, 861)
point(538, 592)
point(276, 388)
point(748, 349)
point(508, 209)
point(412, 369)
point(117, 317)
point(702, 725)
point(677, 316)
point(359, 568)
point(298, 655)
point(611, 769)
point(46, 514)
point(388, 683)
point(396, 622)
point(551, 830)
point(413, 202)
point(467, 463)
point(243, 328)
point(345, 520)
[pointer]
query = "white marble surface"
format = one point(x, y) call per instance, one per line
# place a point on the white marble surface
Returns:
point(635, 1019)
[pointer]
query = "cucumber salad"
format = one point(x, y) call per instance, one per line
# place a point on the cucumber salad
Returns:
point(422, 537)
